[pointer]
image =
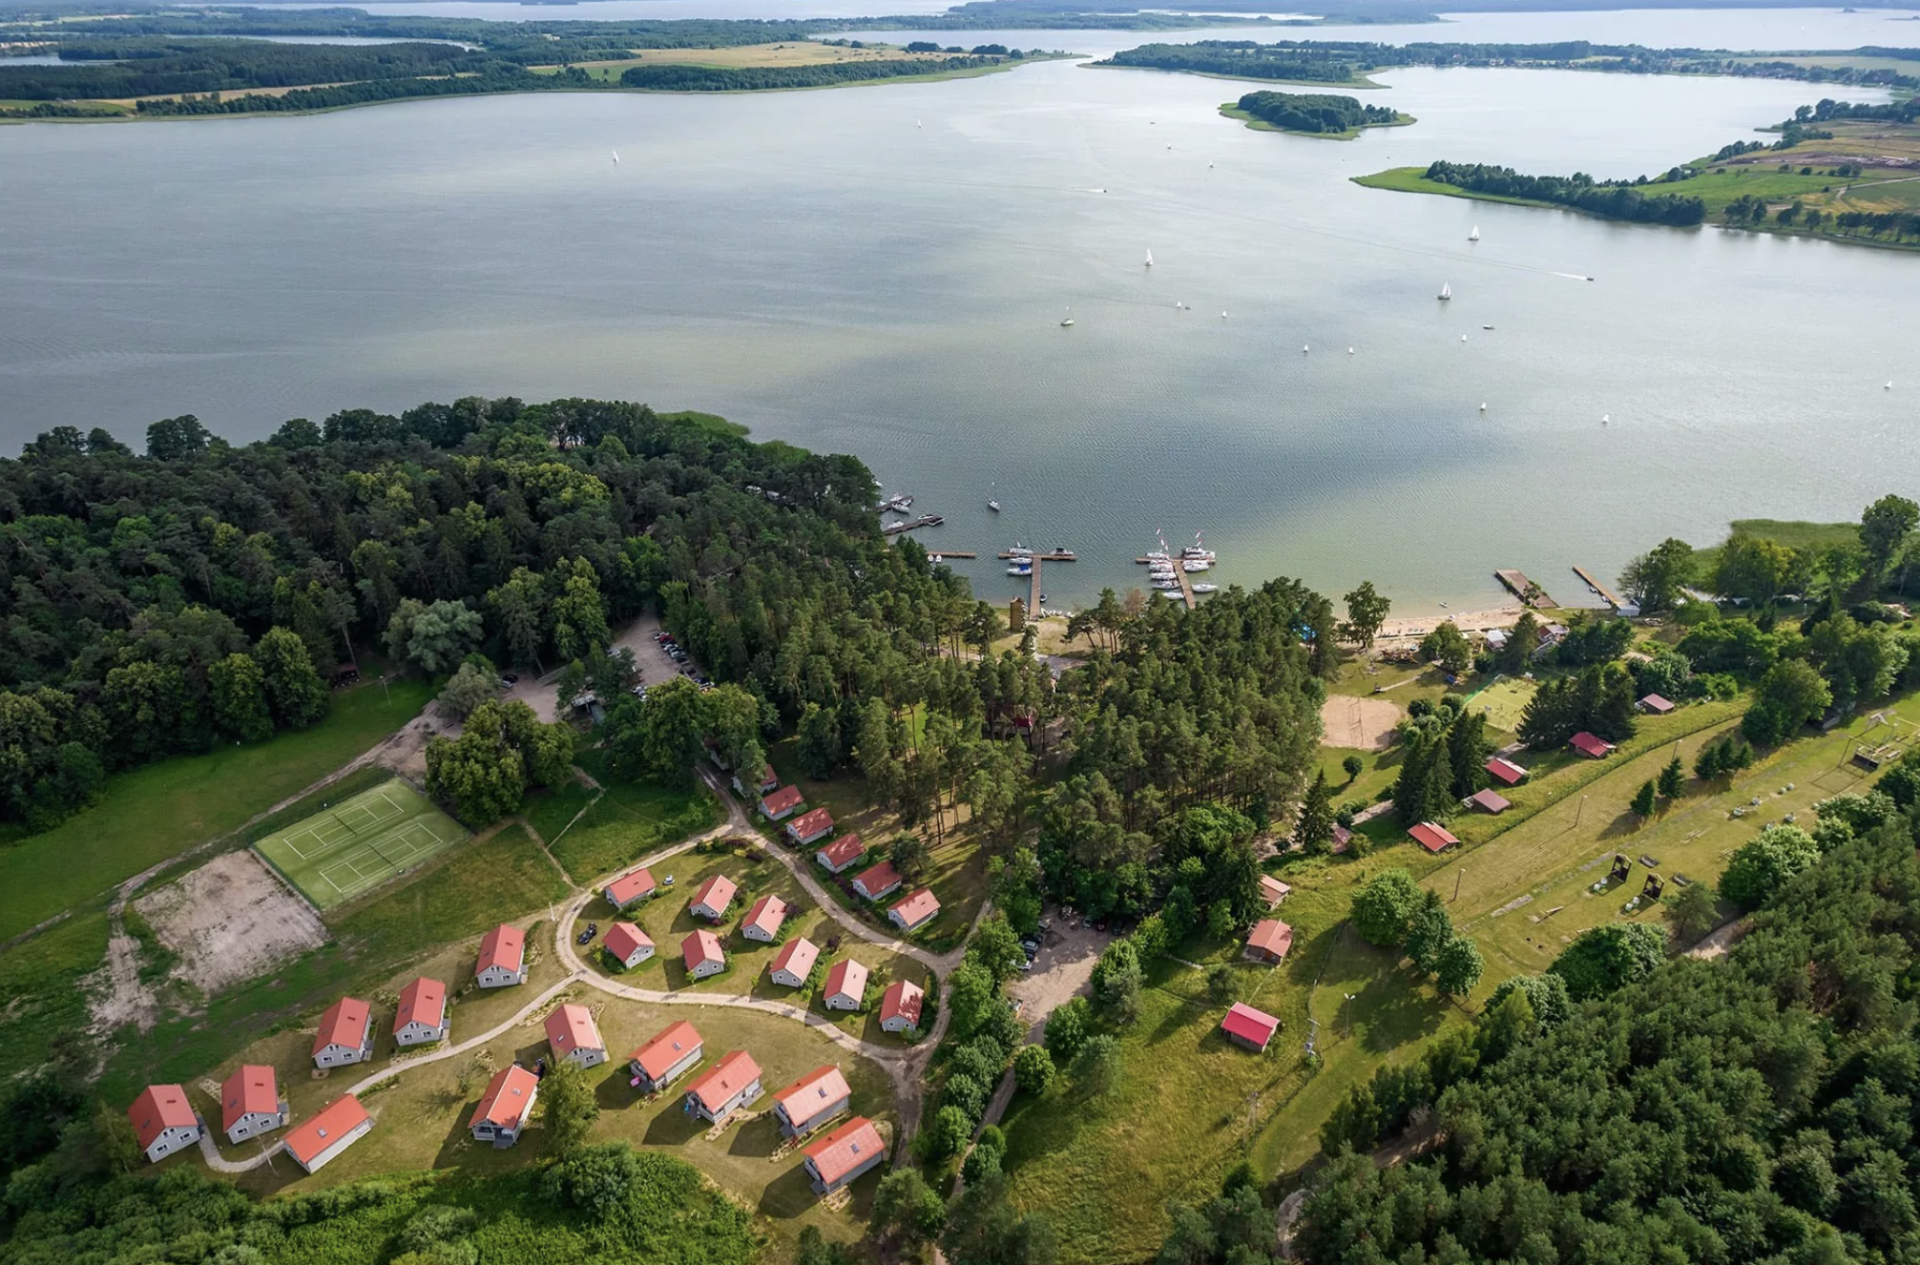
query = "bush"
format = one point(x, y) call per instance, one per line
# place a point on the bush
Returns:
point(1097, 1068)
point(1383, 910)
point(1220, 982)
point(1765, 864)
point(1603, 959)
point(1033, 1069)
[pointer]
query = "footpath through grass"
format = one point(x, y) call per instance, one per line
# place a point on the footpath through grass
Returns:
point(151, 813)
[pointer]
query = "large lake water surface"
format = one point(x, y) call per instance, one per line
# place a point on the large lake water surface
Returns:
point(884, 270)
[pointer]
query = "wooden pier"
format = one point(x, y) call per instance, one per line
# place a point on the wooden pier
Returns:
point(1526, 590)
point(925, 520)
point(1033, 594)
point(1607, 595)
point(1042, 557)
point(1186, 585)
point(952, 553)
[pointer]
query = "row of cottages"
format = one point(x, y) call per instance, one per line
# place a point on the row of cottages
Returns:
point(765, 918)
point(1269, 941)
point(780, 804)
point(843, 1155)
point(791, 966)
point(732, 1083)
point(503, 958)
point(336, 1126)
point(810, 828)
point(250, 1105)
point(713, 898)
point(702, 955)
point(630, 889)
point(842, 854)
point(422, 1016)
point(1249, 1028)
point(664, 1059)
point(900, 1007)
point(627, 945)
point(811, 1101)
point(505, 1107)
point(575, 1037)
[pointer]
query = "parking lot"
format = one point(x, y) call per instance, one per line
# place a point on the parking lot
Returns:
point(1063, 968)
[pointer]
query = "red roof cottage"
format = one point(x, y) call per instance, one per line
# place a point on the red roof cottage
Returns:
point(713, 897)
point(1248, 1027)
point(1506, 772)
point(841, 853)
point(503, 958)
point(422, 1017)
point(346, 1034)
point(1655, 705)
point(631, 888)
point(628, 945)
point(811, 1101)
point(702, 955)
point(768, 783)
point(1490, 801)
point(338, 1126)
point(1433, 836)
point(1273, 891)
point(1594, 748)
point(791, 966)
point(505, 1107)
point(164, 1121)
point(732, 1084)
point(250, 1103)
point(1269, 941)
point(846, 985)
point(900, 1006)
point(877, 881)
point(575, 1037)
point(810, 827)
point(780, 805)
point(765, 918)
point(660, 1061)
point(916, 911)
point(843, 1155)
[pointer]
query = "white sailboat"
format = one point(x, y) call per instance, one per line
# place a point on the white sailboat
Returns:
point(616, 158)
point(993, 502)
point(1446, 291)
point(1474, 236)
point(1066, 321)
point(1149, 259)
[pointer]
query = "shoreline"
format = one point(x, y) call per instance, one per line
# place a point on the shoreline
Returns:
point(1231, 110)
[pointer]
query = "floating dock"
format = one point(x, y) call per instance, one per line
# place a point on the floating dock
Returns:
point(944, 554)
point(1607, 595)
point(1180, 574)
point(925, 520)
point(1043, 557)
point(1526, 590)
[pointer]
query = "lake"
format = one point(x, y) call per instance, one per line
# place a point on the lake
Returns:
point(884, 271)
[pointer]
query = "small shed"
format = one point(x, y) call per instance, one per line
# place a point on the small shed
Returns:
point(1591, 746)
point(1506, 772)
point(1433, 836)
point(1655, 705)
point(1269, 941)
point(1249, 1028)
point(1490, 801)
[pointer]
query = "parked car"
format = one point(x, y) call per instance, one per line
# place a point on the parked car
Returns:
point(510, 678)
point(586, 937)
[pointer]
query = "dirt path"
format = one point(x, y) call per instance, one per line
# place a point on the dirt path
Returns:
point(1720, 941)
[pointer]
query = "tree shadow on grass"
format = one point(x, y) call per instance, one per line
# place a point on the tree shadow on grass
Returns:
point(674, 1126)
point(1402, 1014)
point(788, 1195)
point(757, 1138)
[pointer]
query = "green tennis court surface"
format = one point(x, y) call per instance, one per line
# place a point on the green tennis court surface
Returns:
point(356, 845)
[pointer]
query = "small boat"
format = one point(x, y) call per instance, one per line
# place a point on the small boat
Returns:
point(1304, 349)
point(935, 558)
point(1483, 406)
point(1349, 351)
point(1605, 418)
point(1474, 236)
point(1195, 564)
point(993, 505)
point(1063, 553)
point(616, 158)
point(1166, 585)
point(1889, 384)
point(1149, 259)
point(1175, 594)
point(1066, 323)
point(1223, 316)
point(1486, 327)
point(1158, 555)
point(1463, 338)
point(1019, 551)
point(1204, 587)
point(1446, 291)
point(1026, 570)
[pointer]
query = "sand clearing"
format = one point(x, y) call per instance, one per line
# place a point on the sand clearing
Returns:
point(229, 921)
point(1366, 723)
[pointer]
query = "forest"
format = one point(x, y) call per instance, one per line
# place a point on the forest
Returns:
point(682, 78)
point(1315, 114)
point(1610, 199)
point(1756, 1109)
point(166, 66)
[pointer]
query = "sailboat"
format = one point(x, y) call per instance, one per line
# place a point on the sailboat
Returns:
point(1446, 291)
point(1149, 259)
point(616, 158)
point(1474, 236)
point(1066, 321)
point(992, 503)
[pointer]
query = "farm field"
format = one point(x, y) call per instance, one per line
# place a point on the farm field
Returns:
point(154, 812)
point(352, 846)
point(748, 56)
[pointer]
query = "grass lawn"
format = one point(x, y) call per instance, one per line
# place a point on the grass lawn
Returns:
point(1503, 701)
point(630, 820)
point(151, 813)
point(436, 916)
point(41, 981)
point(421, 1118)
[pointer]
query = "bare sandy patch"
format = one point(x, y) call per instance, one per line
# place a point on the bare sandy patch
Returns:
point(229, 921)
point(1366, 723)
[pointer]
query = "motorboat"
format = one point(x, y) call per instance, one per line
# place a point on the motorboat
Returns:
point(1195, 564)
point(1062, 552)
point(1020, 570)
point(1206, 588)
point(1019, 551)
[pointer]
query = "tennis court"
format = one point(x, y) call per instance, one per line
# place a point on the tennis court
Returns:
point(1503, 702)
point(351, 847)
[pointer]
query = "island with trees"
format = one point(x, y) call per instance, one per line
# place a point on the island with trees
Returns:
point(1838, 170)
point(1319, 114)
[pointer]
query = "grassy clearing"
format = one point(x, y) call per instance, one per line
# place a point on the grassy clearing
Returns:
point(1503, 701)
point(151, 813)
point(421, 1118)
point(438, 914)
point(1232, 111)
point(629, 821)
point(41, 982)
point(1795, 535)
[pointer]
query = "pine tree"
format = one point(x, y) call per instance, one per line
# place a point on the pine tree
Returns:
point(1643, 800)
point(1467, 752)
point(1314, 831)
point(1672, 778)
